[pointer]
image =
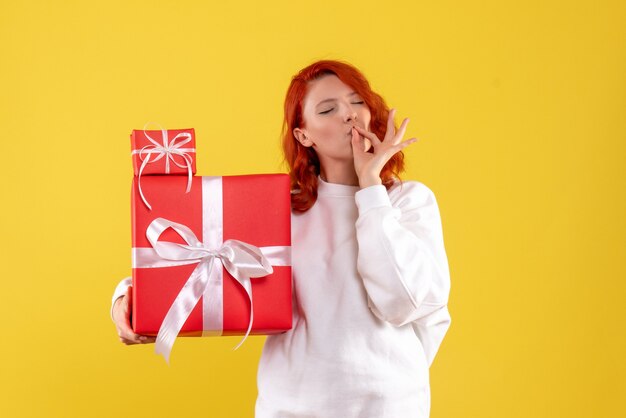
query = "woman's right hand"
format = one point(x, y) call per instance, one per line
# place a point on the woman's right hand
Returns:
point(121, 317)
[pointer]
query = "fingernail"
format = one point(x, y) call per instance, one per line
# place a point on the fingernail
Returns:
point(143, 338)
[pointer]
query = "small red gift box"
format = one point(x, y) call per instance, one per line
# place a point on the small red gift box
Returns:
point(163, 151)
point(208, 241)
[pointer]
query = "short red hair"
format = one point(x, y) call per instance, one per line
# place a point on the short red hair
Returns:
point(304, 165)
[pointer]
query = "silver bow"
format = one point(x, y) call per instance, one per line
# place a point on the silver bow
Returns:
point(166, 150)
point(243, 261)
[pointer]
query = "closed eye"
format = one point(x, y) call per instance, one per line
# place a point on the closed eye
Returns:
point(332, 108)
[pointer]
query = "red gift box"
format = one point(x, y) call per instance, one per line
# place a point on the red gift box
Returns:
point(163, 151)
point(253, 209)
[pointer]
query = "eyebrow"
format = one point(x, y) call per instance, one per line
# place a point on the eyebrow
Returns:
point(333, 99)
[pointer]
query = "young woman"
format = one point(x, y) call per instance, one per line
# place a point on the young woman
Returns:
point(369, 265)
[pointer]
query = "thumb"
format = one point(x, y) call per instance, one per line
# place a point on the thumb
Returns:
point(129, 298)
point(129, 307)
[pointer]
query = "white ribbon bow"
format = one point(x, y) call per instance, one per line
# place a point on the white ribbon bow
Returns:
point(168, 150)
point(243, 261)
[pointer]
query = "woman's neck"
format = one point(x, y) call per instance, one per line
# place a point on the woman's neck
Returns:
point(339, 174)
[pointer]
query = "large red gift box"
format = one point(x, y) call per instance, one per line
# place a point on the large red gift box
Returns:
point(254, 209)
point(163, 151)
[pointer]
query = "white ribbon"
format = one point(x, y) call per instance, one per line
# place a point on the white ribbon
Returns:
point(168, 150)
point(242, 260)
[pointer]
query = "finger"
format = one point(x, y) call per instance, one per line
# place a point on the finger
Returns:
point(364, 143)
point(357, 142)
point(127, 341)
point(128, 334)
point(128, 306)
point(405, 144)
point(127, 310)
point(147, 339)
point(367, 144)
point(367, 134)
point(401, 131)
point(391, 129)
point(135, 338)
point(125, 328)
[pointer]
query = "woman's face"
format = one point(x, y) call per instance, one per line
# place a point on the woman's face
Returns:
point(329, 110)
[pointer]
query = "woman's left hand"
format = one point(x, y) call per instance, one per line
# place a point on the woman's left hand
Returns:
point(369, 165)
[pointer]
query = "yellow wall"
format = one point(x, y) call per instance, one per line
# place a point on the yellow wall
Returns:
point(520, 108)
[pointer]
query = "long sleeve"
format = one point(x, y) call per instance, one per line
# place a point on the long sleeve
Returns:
point(120, 290)
point(402, 260)
point(340, 359)
point(431, 328)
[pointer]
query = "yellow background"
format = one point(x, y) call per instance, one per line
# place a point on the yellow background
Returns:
point(520, 109)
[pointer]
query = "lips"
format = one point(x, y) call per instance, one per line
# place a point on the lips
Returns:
point(350, 132)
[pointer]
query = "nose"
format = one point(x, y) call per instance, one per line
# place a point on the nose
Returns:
point(350, 115)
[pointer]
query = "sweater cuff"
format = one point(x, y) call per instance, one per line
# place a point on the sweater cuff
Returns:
point(120, 290)
point(372, 197)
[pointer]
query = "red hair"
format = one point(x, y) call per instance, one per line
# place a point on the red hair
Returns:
point(303, 162)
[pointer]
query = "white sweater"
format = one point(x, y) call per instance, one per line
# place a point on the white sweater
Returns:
point(371, 286)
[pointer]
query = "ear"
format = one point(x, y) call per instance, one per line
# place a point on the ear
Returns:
point(302, 138)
